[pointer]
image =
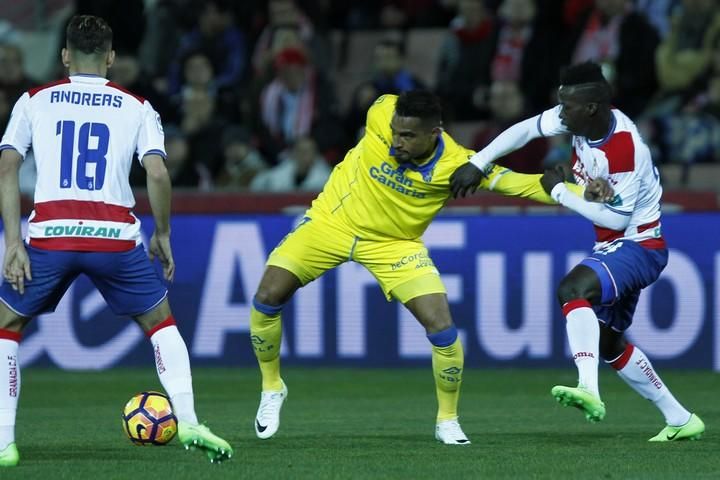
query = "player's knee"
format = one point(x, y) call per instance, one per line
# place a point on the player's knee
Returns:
point(11, 321)
point(611, 348)
point(270, 296)
point(569, 289)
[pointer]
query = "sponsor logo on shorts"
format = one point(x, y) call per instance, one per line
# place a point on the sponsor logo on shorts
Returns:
point(419, 260)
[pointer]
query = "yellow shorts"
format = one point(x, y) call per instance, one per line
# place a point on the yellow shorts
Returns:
point(403, 268)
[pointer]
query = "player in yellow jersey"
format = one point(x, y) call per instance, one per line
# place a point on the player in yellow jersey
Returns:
point(373, 210)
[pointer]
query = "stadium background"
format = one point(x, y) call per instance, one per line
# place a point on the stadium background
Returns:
point(500, 258)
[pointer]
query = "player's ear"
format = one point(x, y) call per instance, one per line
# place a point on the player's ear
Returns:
point(110, 58)
point(65, 56)
point(591, 108)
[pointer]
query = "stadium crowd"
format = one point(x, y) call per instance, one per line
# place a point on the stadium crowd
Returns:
point(266, 95)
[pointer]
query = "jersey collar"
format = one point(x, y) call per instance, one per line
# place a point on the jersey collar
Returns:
point(425, 169)
point(87, 78)
point(603, 141)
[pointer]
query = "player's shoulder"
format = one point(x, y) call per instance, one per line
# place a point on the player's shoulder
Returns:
point(47, 86)
point(383, 105)
point(125, 91)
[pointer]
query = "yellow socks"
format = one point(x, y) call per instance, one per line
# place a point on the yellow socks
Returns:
point(265, 334)
point(447, 364)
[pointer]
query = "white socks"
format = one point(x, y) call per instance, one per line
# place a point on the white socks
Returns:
point(637, 371)
point(173, 367)
point(9, 388)
point(583, 334)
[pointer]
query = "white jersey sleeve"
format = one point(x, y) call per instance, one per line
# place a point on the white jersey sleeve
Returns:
point(151, 138)
point(18, 134)
point(518, 135)
point(549, 123)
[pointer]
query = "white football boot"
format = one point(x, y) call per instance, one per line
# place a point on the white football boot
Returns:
point(450, 433)
point(267, 420)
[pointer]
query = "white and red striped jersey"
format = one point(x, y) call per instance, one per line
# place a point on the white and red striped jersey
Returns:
point(83, 131)
point(624, 160)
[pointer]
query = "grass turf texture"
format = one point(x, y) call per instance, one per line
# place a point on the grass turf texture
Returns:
point(357, 424)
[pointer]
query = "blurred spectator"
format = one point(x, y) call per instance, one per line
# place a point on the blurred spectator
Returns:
point(299, 101)
point(162, 35)
point(404, 14)
point(508, 107)
point(219, 39)
point(241, 161)
point(361, 100)
point(302, 169)
point(125, 71)
point(281, 37)
point(686, 128)
point(390, 73)
point(465, 58)
point(389, 76)
point(5, 109)
point(658, 13)
point(202, 128)
point(13, 80)
point(126, 18)
point(527, 44)
point(282, 16)
point(624, 43)
point(685, 54)
point(183, 172)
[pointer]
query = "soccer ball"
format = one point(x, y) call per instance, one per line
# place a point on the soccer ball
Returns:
point(148, 419)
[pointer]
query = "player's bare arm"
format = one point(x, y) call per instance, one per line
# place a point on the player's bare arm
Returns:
point(159, 193)
point(16, 265)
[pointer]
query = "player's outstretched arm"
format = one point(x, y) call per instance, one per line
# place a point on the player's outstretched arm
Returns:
point(552, 182)
point(159, 194)
point(16, 264)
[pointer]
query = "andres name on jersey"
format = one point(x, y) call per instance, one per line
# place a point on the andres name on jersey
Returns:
point(85, 98)
point(390, 178)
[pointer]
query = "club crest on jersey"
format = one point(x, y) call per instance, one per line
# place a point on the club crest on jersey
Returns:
point(394, 179)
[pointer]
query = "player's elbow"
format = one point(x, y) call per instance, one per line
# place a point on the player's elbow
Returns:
point(155, 169)
point(616, 222)
point(9, 163)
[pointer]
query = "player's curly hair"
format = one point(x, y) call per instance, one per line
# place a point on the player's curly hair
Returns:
point(422, 104)
point(586, 72)
point(588, 80)
point(89, 34)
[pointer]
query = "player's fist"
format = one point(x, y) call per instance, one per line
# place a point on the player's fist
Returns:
point(465, 180)
point(599, 190)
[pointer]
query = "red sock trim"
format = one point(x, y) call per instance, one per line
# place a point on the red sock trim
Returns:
point(10, 335)
point(620, 362)
point(574, 304)
point(168, 322)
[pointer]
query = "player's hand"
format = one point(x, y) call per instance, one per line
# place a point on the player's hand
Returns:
point(550, 178)
point(599, 190)
point(16, 267)
point(160, 248)
point(465, 180)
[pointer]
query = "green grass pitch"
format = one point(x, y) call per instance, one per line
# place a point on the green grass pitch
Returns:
point(365, 424)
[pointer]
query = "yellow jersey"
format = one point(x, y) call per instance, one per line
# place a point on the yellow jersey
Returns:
point(379, 198)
